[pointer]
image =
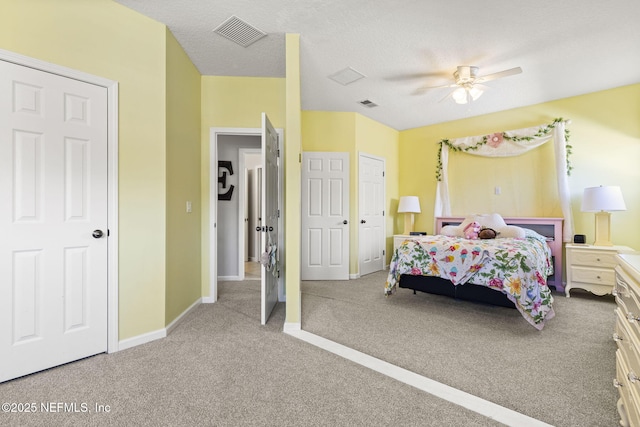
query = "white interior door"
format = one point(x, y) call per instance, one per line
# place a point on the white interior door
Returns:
point(53, 187)
point(270, 272)
point(214, 134)
point(325, 216)
point(371, 212)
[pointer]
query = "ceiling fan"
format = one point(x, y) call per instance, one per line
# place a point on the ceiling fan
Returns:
point(467, 83)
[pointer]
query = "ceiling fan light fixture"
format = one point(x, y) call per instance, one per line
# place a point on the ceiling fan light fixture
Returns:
point(466, 94)
point(475, 92)
point(468, 84)
point(460, 95)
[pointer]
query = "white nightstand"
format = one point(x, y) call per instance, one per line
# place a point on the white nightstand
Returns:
point(399, 238)
point(592, 267)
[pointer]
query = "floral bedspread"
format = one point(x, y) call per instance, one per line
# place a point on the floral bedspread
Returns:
point(515, 267)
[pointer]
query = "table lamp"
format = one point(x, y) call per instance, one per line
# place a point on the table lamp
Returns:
point(602, 200)
point(408, 206)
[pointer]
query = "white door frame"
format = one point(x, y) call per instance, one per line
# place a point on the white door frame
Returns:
point(112, 176)
point(214, 132)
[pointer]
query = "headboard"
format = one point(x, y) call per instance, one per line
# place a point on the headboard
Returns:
point(551, 228)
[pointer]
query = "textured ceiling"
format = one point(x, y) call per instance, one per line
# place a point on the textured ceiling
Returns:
point(565, 48)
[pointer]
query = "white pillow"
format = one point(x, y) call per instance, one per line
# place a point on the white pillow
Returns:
point(492, 220)
point(510, 231)
point(452, 230)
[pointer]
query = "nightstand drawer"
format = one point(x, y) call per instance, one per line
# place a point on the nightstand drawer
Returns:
point(594, 259)
point(592, 275)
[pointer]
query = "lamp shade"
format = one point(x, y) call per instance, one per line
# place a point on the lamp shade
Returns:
point(409, 204)
point(603, 199)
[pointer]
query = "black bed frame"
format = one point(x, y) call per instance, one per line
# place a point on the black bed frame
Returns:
point(467, 291)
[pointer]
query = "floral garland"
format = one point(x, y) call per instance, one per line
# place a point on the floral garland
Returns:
point(495, 139)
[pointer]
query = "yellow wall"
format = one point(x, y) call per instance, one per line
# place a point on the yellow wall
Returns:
point(232, 102)
point(355, 134)
point(292, 151)
point(105, 39)
point(328, 131)
point(605, 135)
point(183, 281)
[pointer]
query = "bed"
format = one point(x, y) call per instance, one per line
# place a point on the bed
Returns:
point(510, 271)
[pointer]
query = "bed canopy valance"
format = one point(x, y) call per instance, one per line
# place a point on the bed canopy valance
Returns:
point(507, 144)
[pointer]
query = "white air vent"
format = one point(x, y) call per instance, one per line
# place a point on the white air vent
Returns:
point(346, 76)
point(238, 31)
point(368, 103)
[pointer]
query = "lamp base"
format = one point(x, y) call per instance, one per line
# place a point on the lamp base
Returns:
point(603, 229)
point(408, 223)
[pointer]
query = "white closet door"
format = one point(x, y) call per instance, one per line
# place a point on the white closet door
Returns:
point(371, 214)
point(53, 220)
point(325, 216)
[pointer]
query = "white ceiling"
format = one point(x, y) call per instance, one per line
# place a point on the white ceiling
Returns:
point(565, 48)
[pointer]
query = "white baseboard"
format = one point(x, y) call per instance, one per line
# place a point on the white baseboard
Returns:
point(208, 300)
point(178, 319)
point(230, 278)
point(483, 407)
point(354, 276)
point(160, 333)
point(141, 339)
point(290, 327)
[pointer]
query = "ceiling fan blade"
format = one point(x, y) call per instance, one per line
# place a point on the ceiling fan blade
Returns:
point(423, 89)
point(499, 75)
point(414, 76)
point(449, 95)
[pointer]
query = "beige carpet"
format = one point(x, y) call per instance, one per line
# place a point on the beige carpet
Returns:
point(219, 367)
point(562, 375)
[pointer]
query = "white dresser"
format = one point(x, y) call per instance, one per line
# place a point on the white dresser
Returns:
point(627, 337)
point(592, 267)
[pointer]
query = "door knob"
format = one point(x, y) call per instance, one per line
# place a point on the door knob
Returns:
point(97, 234)
point(362, 221)
point(345, 222)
